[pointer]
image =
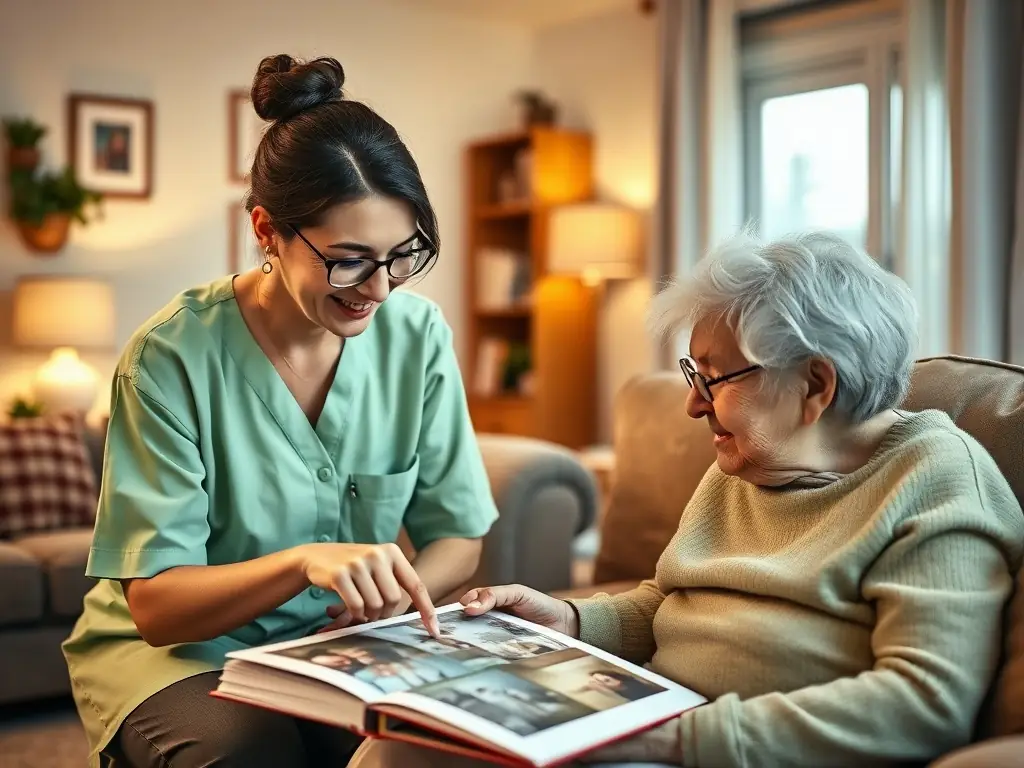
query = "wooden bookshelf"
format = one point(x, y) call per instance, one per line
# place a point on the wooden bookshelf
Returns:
point(550, 327)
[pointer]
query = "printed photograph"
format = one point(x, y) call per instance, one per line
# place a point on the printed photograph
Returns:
point(488, 633)
point(508, 700)
point(400, 657)
point(586, 679)
point(392, 666)
point(112, 150)
point(112, 144)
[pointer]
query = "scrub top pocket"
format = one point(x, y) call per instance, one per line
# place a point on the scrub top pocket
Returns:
point(378, 504)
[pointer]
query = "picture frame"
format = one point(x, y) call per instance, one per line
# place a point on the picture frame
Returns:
point(245, 129)
point(110, 144)
point(243, 250)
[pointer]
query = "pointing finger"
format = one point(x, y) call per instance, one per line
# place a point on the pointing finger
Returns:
point(417, 591)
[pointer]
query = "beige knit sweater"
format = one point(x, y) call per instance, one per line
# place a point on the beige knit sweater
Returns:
point(853, 623)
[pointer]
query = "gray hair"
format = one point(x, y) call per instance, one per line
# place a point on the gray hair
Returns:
point(802, 296)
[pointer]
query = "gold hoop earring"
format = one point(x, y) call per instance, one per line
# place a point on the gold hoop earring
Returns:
point(267, 266)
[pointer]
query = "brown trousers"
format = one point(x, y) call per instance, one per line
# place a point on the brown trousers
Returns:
point(183, 726)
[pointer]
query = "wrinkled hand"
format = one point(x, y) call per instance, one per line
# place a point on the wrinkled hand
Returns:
point(369, 579)
point(658, 745)
point(525, 603)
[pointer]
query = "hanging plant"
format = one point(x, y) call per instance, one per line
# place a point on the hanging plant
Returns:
point(23, 136)
point(45, 204)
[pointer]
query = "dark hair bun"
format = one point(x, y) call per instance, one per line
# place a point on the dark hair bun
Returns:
point(283, 86)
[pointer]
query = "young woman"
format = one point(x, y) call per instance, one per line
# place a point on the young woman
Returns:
point(269, 435)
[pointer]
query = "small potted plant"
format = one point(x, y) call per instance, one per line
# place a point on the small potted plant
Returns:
point(23, 408)
point(23, 135)
point(44, 205)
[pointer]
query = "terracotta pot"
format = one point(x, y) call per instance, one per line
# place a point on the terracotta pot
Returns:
point(22, 158)
point(48, 237)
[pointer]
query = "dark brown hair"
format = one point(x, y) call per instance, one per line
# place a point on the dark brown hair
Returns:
point(322, 149)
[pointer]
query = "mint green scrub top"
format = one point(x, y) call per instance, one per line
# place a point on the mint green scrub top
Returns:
point(210, 460)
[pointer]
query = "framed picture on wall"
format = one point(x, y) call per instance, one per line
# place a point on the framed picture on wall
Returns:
point(245, 128)
point(243, 250)
point(111, 144)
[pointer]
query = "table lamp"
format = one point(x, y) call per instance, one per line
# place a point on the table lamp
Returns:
point(64, 315)
point(594, 241)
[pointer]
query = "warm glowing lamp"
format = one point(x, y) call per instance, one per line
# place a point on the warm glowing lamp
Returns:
point(64, 315)
point(594, 241)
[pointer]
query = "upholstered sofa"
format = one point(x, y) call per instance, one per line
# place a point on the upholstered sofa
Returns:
point(544, 496)
point(661, 456)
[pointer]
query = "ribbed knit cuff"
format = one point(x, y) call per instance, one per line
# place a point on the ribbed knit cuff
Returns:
point(708, 734)
point(599, 623)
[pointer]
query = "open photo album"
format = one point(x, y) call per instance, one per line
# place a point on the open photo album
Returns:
point(494, 687)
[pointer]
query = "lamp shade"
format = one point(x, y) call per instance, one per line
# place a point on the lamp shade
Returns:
point(72, 312)
point(596, 239)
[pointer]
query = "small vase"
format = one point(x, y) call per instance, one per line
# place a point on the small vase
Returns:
point(22, 158)
point(48, 237)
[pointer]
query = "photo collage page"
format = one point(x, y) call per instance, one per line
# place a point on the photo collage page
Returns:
point(488, 666)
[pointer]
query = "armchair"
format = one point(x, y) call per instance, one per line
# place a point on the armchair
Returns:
point(661, 456)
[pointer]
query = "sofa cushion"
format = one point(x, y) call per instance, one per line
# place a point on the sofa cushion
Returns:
point(986, 399)
point(21, 586)
point(661, 455)
point(62, 556)
point(46, 477)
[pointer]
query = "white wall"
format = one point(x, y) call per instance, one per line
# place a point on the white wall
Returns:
point(602, 72)
point(439, 79)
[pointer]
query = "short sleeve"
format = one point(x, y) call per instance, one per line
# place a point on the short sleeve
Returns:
point(453, 493)
point(153, 509)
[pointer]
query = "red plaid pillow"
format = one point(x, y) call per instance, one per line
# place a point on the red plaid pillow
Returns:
point(46, 480)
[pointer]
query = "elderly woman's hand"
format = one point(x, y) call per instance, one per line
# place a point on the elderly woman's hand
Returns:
point(658, 745)
point(525, 603)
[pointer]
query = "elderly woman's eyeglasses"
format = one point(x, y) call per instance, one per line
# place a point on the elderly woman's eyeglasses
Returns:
point(702, 383)
point(408, 260)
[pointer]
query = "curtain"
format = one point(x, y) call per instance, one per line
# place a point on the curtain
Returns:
point(984, 64)
point(960, 228)
point(1016, 330)
point(700, 177)
point(923, 229)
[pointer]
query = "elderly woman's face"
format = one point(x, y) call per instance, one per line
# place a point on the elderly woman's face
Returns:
point(754, 426)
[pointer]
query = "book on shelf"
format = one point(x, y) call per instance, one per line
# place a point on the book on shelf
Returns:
point(504, 279)
point(490, 367)
point(493, 687)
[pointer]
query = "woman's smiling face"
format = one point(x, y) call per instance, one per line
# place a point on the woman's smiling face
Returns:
point(753, 425)
point(373, 227)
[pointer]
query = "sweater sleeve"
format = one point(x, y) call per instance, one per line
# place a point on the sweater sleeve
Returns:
point(621, 624)
point(939, 589)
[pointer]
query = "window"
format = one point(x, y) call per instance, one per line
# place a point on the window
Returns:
point(822, 123)
point(813, 159)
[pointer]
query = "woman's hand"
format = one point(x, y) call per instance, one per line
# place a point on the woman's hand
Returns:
point(525, 603)
point(658, 745)
point(369, 578)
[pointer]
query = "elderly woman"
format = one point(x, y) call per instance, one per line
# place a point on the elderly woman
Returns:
point(836, 583)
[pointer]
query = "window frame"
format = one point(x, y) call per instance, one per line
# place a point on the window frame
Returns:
point(783, 59)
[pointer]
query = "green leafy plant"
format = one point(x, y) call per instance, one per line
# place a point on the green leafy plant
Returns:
point(24, 409)
point(517, 364)
point(24, 132)
point(36, 196)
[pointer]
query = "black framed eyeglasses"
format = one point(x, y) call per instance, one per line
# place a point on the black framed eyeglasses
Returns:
point(702, 383)
point(353, 270)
